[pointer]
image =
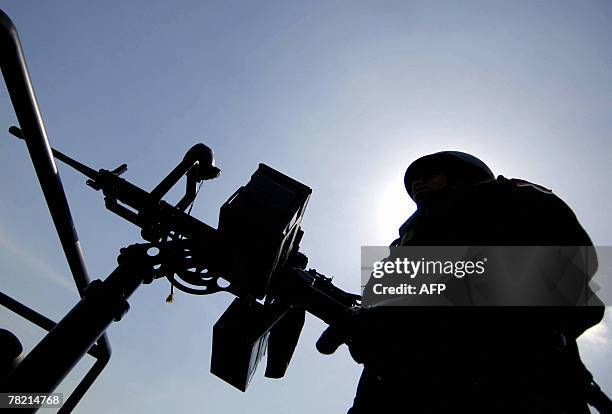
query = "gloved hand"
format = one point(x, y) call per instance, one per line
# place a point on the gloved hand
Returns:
point(350, 332)
point(382, 336)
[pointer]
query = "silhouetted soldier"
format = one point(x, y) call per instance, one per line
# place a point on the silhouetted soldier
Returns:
point(472, 359)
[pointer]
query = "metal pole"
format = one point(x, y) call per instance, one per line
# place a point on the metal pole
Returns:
point(22, 95)
point(56, 354)
point(15, 72)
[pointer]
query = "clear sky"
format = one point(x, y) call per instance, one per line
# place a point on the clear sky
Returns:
point(342, 96)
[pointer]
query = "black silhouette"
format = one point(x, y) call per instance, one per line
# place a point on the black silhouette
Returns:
point(435, 363)
point(273, 288)
point(473, 359)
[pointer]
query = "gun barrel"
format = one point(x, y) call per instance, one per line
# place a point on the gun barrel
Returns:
point(82, 168)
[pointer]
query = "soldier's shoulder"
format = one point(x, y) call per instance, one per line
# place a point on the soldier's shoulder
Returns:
point(516, 188)
point(533, 205)
point(523, 185)
point(519, 196)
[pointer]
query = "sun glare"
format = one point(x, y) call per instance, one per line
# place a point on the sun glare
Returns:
point(393, 208)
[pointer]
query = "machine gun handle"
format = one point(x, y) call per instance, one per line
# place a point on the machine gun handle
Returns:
point(198, 164)
point(317, 294)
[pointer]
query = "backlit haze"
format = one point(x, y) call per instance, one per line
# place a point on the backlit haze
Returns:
point(339, 95)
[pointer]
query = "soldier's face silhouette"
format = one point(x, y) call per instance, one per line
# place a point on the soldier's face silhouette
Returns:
point(428, 184)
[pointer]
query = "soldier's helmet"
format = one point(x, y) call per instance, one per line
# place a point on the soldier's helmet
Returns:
point(456, 165)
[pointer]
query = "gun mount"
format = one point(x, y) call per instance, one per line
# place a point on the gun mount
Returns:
point(253, 254)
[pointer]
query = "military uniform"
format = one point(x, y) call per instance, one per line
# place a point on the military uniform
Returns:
point(478, 359)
